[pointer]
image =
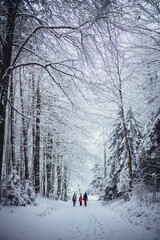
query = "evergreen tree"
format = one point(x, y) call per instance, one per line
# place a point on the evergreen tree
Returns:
point(116, 161)
point(134, 137)
point(97, 185)
point(117, 182)
point(149, 152)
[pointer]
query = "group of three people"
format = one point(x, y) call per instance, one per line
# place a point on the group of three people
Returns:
point(85, 199)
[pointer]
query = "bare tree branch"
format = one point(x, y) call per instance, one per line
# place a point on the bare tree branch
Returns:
point(17, 110)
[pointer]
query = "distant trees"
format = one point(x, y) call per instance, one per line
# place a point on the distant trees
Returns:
point(97, 185)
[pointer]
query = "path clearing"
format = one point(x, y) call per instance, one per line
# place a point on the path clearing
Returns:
point(52, 220)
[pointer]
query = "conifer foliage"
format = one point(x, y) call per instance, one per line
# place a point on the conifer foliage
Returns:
point(97, 185)
point(14, 194)
point(149, 152)
point(117, 182)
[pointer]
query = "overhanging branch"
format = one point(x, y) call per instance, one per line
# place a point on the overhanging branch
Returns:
point(17, 110)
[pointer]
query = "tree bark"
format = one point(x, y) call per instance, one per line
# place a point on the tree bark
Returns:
point(7, 46)
point(13, 157)
point(65, 174)
point(49, 168)
point(33, 114)
point(59, 176)
point(44, 169)
point(49, 163)
point(37, 146)
point(105, 161)
point(125, 135)
point(24, 130)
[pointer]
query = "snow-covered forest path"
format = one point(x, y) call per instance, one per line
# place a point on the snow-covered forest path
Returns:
point(56, 220)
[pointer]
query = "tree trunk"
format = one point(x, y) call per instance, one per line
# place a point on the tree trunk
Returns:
point(125, 135)
point(59, 176)
point(53, 177)
point(24, 130)
point(33, 114)
point(13, 157)
point(44, 170)
point(33, 126)
point(105, 161)
point(2, 127)
point(65, 182)
point(4, 78)
point(49, 168)
point(49, 162)
point(37, 146)
point(7, 143)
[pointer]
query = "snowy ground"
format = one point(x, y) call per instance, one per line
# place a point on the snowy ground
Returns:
point(57, 220)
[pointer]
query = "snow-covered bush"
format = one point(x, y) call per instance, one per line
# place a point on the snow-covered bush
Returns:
point(28, 192)
point(14, 194)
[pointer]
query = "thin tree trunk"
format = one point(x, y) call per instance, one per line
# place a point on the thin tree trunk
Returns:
point(33, 125)
point(49, 163)
point(24, 130)
point(2, 128)
point(125, 135)
point(7, 143)
point(12, 124)
point(53, 177)
point(59, 176)
point(105, 161)
point(65, 182)
point(44, 170)
point(49, 167)
point(33, 113)
point(37, 146)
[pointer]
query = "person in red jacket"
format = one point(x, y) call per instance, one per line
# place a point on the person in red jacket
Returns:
point(85, 198)
point(80, 200)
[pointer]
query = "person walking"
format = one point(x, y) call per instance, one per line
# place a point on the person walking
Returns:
point(80, 200)
point(85, 198)
point(74, 199)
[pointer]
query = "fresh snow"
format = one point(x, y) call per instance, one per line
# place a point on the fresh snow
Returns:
point(57, 220)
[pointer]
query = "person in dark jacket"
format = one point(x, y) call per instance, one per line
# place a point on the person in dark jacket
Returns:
point(80, 200)
point(85, 198)
point(74, 199)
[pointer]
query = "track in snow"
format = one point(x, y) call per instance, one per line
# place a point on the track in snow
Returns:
point(52, 220)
